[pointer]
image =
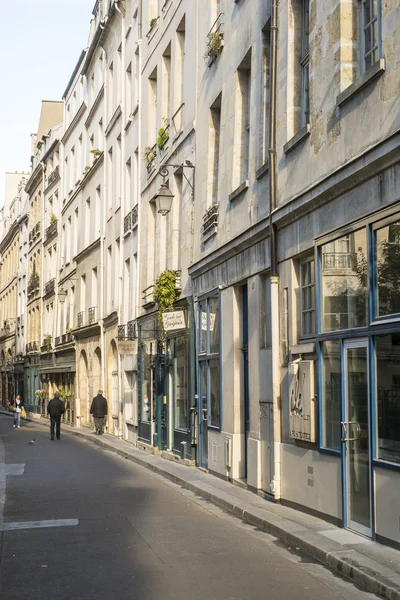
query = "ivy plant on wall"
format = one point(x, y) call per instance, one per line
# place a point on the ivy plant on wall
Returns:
point(166, 294)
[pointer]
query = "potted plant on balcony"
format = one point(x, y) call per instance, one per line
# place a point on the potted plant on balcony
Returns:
point(215, 43)
point(149, 155)
point(96, 153)
point(53, 218)
point(166, 293)
point(163, 134)
point(47, 338)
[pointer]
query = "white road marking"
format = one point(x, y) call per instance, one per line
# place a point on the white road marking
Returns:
point(39, 524)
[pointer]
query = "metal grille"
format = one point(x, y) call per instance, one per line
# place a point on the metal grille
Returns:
point(80, 318)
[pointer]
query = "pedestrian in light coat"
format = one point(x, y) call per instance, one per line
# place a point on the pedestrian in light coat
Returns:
point(17, 414)
point(99, 410)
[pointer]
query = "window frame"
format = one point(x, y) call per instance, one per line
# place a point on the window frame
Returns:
point(305, 63)
point(205, 357)
point(305, 261)
point(376, 45)
point(375, 318)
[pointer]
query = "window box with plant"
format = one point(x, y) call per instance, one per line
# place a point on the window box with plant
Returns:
point(163, 134)
point(215, 41)
point(47, 339)
point(150, 155)
point(166, 292)
point(33, 284)
point(53, 218)
point(96, 153)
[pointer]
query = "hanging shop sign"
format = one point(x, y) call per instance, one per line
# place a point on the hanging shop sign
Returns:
point(173, 321)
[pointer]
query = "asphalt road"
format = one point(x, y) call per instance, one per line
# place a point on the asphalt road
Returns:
point(137, 535)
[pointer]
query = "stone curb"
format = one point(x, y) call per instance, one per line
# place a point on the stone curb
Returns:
point(277, 526)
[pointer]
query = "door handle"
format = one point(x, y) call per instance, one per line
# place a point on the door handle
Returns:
point(344, 431)
point(204, 411)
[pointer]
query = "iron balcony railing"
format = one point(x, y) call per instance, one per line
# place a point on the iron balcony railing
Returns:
point(134, 216)
point(131, 330)
point(50, 286)
point(51, 230)
point(91, 315)
point(32, 347)
point(57, 341)
point(81, 318)
point(121, 332)
point(210, 221)
point(339, 260)
point(128, 222)
point(177, 120)
point(53, 175)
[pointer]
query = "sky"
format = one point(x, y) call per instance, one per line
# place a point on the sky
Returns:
point(40, 42)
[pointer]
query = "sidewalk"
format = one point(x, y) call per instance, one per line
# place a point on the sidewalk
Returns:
point(369, 564)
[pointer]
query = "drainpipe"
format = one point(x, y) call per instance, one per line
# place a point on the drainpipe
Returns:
point(276, 400)
point(139, 170)
point(103, 222)
point(124, 205)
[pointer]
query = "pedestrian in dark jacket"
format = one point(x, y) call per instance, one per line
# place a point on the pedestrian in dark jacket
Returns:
point(55, 409)
point(99, 410)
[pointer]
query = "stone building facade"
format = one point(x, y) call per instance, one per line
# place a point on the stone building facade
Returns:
point(247, 153)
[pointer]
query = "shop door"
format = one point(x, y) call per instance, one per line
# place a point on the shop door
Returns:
point(356, 439)
point(203, 417)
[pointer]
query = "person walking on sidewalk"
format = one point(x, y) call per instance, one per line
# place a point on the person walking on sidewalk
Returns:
point(55, 409)
point(17, 414)
point(99, 410)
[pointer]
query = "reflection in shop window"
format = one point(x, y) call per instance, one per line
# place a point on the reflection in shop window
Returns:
point(388, 269)
point(214, 393)
point(344, 282)
point(148, 385)
point(181, 384)
point(331, 395)
point(214, 325)
point(388, 396)
point(203, 330)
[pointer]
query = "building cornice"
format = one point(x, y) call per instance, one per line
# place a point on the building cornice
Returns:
point(113, 121)
point(88, 250)
point(34, 179)
point(9, 236)
point(74, 72)
point(92, 170)
point(341, 180)
point(73, 123)
point(95, 106)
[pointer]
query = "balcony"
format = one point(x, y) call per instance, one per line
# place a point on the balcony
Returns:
point(51, 230)
point(57, 341)
point(32, 347)
point(210, 222)
point(215, 40)
point(148, 297)
point(339, 261)
point(128, 222)
point(34, 233)
point(177, 121)
point(91, 315)
point(81, 318)
point(131, 330)
point(54, 175)
point(134, 216)
point(121, 332)
point(50, 287)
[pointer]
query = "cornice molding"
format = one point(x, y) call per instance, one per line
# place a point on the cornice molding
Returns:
point(95, 106)
point(113, 121)
point(73, 123)
point(86, 251)
point(34, 179)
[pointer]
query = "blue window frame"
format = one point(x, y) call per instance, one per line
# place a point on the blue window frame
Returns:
point(209, 358)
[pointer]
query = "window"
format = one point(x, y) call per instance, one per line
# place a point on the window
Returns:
point(307, 297)
point(243, 104)
point(214, 148)
point(344, 282)
point(305, 64)
point(265, 93)
point(179, 348)
point(209, 358)
point(388, 396)
point(387, 244)
point(330, 433)
point(370, 33)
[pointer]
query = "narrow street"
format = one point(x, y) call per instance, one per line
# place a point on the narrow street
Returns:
point(123, 532)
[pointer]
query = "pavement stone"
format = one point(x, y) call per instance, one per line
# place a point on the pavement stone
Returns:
point(371, 565)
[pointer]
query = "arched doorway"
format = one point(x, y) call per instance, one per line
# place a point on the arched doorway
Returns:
point(96, 372)
point(113, 387)
point(83, 387)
